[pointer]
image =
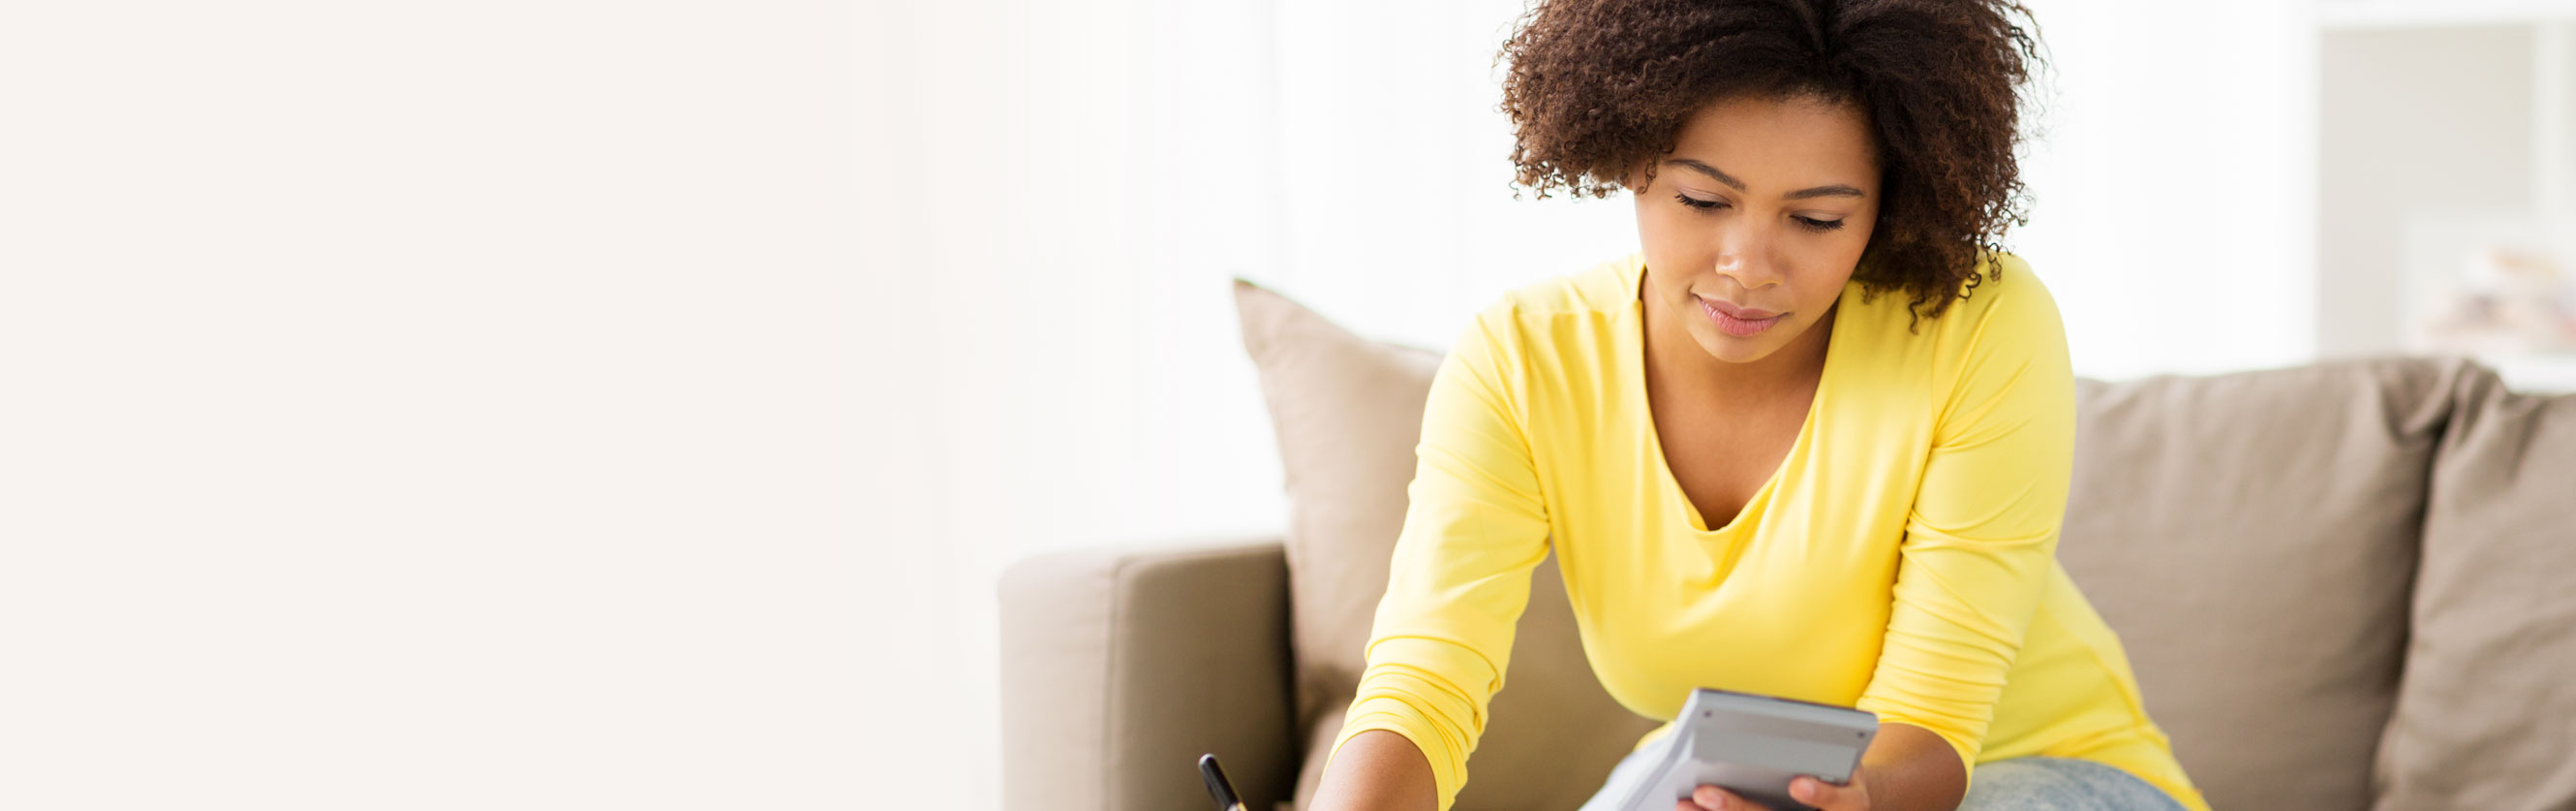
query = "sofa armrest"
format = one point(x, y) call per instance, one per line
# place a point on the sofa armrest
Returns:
point(1121, 666)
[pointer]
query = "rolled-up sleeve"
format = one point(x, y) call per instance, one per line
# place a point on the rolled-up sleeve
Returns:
point(1475, 525)
point(1981, 539)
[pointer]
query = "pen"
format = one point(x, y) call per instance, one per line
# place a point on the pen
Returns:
point(1218, 786)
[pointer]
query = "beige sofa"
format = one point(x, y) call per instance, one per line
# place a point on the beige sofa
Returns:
point(2345, 585)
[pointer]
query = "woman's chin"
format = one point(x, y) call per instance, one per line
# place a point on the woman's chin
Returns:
point(1731, 349)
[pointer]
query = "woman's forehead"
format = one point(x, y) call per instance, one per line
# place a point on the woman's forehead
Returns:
point(1779, 143)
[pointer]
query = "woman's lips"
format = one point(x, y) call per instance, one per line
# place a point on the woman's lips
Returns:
point(1737, 321)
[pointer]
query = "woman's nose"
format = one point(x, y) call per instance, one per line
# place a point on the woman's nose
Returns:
point(1743, 254)
point(1749, 270)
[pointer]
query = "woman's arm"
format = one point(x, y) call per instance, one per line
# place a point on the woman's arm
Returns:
point(1980, 542)
point(1907, 768)
point(1378, 770)
point(1475, 525)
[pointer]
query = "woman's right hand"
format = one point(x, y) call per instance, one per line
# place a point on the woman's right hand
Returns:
point(1806, 789)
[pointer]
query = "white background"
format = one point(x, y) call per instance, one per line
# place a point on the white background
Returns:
point(437, 405)
point(552, 404)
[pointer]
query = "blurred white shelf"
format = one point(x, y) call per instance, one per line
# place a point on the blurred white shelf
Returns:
point(2536, 373)
point(2340, 14)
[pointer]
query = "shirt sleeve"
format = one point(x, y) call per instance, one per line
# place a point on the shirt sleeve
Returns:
point(1981, 540)
point(1475, 525)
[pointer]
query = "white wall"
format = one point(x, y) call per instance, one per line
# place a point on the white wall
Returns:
point(914, 748)
point(446, 405)
point(2388, 160)
point(2175, 187)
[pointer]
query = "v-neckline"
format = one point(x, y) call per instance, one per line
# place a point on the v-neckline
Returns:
point(1636, 362)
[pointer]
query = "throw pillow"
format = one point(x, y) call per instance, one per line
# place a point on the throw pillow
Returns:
point(2250, 537)
point(2482, 719)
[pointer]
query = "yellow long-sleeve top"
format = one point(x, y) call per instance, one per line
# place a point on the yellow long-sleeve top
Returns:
point(1902, 558)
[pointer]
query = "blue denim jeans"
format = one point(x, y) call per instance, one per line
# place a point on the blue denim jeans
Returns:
point(2013, 784)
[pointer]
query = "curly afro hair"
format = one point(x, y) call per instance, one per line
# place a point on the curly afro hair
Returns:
point(1598, 89)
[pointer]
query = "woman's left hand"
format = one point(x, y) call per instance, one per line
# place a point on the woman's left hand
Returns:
point(1805, 789)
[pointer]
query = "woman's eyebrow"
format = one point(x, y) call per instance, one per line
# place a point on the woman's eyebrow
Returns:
point(1836, 190)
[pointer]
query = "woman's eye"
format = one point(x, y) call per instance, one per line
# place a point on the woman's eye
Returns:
point(1803, 222)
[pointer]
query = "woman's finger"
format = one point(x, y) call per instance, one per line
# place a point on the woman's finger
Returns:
point(1718, 799)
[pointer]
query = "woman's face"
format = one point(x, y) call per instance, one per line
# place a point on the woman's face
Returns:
point(1755, 221)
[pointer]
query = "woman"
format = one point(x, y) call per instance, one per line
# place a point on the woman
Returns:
point(1813, 441)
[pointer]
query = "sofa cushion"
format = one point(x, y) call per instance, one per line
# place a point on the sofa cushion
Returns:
point(2250, 538)
point(2484, 715)
point(1348, 413)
